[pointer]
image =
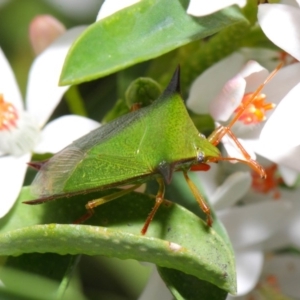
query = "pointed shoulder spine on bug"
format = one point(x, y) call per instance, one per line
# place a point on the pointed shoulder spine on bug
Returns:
point(150, 143)
point(144, 144)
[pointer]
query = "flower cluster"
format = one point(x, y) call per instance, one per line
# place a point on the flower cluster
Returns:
point(269, 218)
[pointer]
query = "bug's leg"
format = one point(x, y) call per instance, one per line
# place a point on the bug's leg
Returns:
point(94, 203)
point(205, 208)
point(135, 106)
point(158, 201)
point(216, 137)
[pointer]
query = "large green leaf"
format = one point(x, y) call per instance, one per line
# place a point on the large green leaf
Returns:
point(140, 32)
point(18, 282)
point(176, 238)
point(188, 287)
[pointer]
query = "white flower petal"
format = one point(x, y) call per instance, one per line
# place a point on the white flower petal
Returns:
point(155, 288)
point(254, 75)
point(209, 84)
point(249, 265)
point(252, 67)
point(281, 25)
point(289, 175)
point(281, 84)
point(233, 150)
point(286, 269)
point(277, 241)
point(281, 126)
point(268, 58)
point(275, 90)
point(233, 189)
point(208, 180)
point(78, 9)
point(289, 233)
point(252, 224)
point(293, 230)
point(63, 131)
point(110, 7)
point(294, 3)
point(230, 97)
point(286, 157)
point(43, 92)
point(21, 138)
point(8, 84)
point(202, 8)
point(12, 173)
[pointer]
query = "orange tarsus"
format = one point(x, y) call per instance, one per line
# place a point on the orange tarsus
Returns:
point(85, 217)
point(270, 184)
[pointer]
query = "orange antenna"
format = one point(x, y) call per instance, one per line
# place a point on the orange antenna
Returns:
point(221, 131)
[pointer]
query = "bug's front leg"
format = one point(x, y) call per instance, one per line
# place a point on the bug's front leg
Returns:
point(158, 201)
point(215, 139)
point(205, 208)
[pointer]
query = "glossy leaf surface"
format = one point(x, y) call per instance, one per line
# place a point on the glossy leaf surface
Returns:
point(138, 33)
point(184, 286)
point(176, 238)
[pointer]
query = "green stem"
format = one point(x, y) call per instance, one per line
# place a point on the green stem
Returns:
point(75, 101)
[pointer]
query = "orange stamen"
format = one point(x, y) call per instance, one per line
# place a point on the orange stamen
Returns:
point(8, 115)
point(269, 184)
point(254, 113)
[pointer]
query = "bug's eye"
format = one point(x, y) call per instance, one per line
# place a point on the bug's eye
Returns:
point(200, 156)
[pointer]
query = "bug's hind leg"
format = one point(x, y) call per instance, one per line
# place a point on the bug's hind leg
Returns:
point(205, 208)
point(94, 203)
point(158, 201)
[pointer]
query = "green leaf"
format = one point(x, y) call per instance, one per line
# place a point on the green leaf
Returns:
point(176, 238)
point(196, 57)
point(28, 277)
point(187, 287)
point(140, 32)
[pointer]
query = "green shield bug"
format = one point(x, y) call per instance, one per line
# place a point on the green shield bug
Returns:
point(150, 143)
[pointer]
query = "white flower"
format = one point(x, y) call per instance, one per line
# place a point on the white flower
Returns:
point(285, 34)
point(220, 90)
point(202, 8)
point(110, 7)
point(20, 127)
point(279, 279)
point(196, 8)
point(289, 233)
point(249, 226)
point(282, 126)
point(78, 9)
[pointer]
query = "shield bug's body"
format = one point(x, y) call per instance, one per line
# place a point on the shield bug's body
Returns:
point(149, 143)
